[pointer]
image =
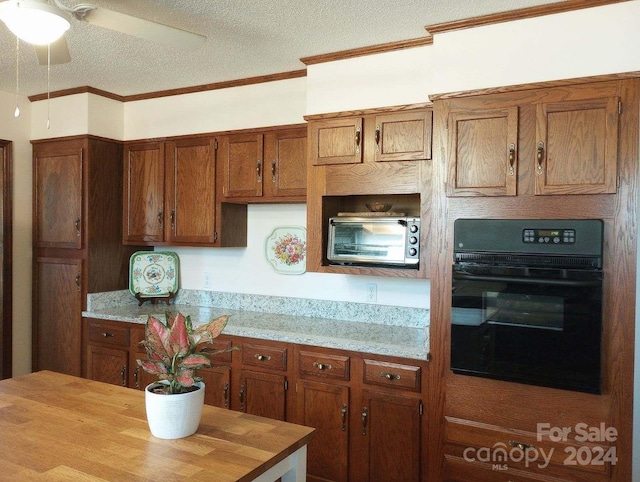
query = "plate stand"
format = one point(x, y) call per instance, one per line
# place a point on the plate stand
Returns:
point(154, 299)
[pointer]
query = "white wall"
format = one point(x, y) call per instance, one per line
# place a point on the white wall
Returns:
point(245, 270)
point(17, 130)
point(259, 105)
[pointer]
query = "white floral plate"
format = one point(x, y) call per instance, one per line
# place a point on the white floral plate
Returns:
point(286, 249)
point(153, 273)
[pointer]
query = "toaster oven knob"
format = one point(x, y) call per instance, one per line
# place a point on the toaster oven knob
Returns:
point(413, 240)
point(413, 228)
point(413, 251)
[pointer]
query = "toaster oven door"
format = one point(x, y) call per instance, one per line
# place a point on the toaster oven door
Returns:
point(367, 241)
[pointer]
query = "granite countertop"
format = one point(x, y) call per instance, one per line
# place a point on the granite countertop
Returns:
point(368, 337)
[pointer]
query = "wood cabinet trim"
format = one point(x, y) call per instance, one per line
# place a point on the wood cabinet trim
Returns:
point(366, 112)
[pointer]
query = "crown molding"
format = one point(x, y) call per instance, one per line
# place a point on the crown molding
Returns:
point(519, 14)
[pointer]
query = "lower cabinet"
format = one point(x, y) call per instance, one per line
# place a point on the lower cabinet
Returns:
point(368, 416)
point(367, 412)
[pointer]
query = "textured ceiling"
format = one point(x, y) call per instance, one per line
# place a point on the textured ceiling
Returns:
point(246, 38)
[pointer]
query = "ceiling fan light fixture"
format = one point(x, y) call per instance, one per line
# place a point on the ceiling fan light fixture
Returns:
point(33, 21)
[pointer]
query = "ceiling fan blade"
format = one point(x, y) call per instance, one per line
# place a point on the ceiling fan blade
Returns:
point(145, 29)
point(59, 52)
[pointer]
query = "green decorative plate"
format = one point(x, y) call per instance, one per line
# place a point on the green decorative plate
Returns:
point(153, 273)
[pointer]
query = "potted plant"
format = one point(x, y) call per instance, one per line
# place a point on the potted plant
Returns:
point(175, 350)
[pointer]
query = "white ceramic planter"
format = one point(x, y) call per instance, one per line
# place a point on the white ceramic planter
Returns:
point(174, 416)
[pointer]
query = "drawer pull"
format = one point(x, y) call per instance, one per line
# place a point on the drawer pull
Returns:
point(520, 445)
point(389, 376)
point(322, 366)
point(106, 334)
point(123, 375)
point(343, 416)
point(225, 395)
point(241, 397)
point(260, 357)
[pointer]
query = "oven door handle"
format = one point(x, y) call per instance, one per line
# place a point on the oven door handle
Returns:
point(524, 279)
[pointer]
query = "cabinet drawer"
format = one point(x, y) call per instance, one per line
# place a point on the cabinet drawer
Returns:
point(271, 357)
point(406, 377)
point(323, 365)
point(471, 441)
point(108, 333)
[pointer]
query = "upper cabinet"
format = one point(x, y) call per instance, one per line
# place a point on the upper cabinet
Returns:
point(170, 194)
point(143, 197)
point(359, 157)
point(397, 136)
point(263, 166)
point(57, 195)
point(561, 140)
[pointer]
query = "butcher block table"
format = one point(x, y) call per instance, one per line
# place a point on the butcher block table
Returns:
point(59, 427)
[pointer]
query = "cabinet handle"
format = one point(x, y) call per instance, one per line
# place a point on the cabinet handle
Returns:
point(540, 157)
point(78, 282)
point(123, 374)
point(364, 414)
point(520, 445)
point(273, 170)
point(241, 397)
point(77, 225)
point(377, 138)
point(160, 220)
point(358, 140)
point(106, 334)
point(260, 357)
point(225, 395)
point(259, 170)
point(343, 416)
point(389, 376)
point(512, 158)
point(322, 366)
point(173, 218)
point(136, 381)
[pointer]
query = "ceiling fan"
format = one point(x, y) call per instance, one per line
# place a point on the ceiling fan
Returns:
point(31, 11)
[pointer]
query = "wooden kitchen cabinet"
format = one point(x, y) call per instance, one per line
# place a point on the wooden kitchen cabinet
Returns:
point(367, 156)
point(323, 402)
point(57, 302)
point(368, 415)
point(261, 379)
point(77, 244)
point(390, 432)
point(263, 166)
point(57, 195)
point(395, 136)
point(561, 140)
point(169, 193)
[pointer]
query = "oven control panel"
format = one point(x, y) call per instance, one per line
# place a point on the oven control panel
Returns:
point(549, 236)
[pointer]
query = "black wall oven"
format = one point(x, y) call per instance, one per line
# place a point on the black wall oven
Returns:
point(527, 301)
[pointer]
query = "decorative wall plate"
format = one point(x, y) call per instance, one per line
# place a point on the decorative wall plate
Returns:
point(286, 249)
point(153, 273)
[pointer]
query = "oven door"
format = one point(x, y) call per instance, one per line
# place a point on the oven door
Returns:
point(528, 325)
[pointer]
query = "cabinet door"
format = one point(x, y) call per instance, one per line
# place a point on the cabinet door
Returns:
point(107, 365)
point(325, 407)
point(57, 308)
point(191, 191)
point(286, 160)
point(483, 158)
point(242, 159)
point(403, 136)
point(336, 141)
point(57, 186)
point(143, 197)
point(217, 383)
point(577, 146)
point(391, 434)
point(262, 394)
